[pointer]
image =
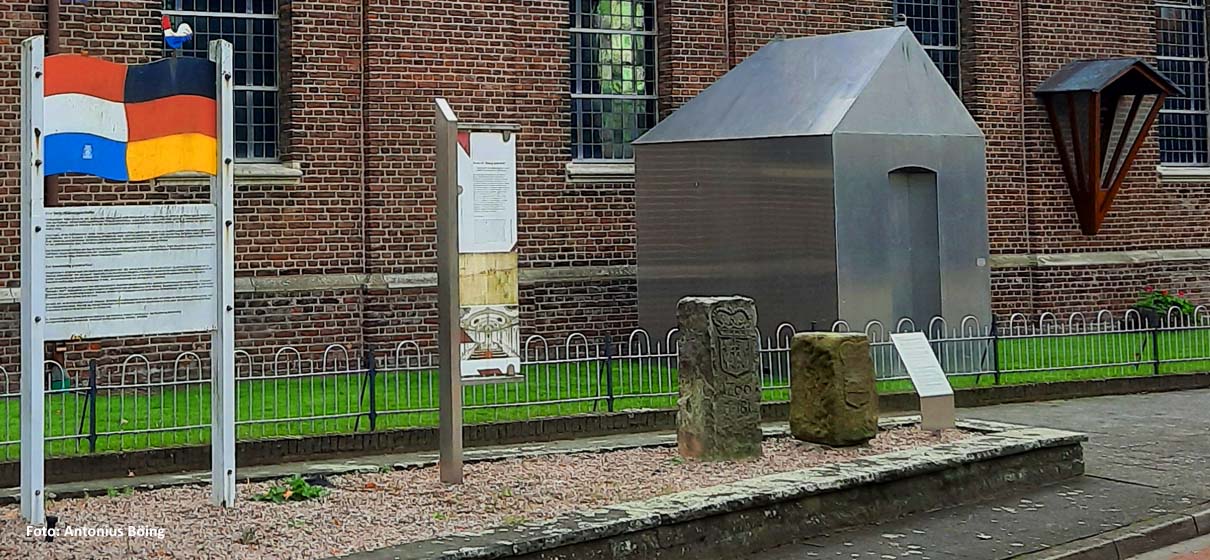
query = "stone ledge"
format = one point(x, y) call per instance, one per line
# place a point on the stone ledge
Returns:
point(584, 172)
point(1099, 258)
point(1183, 174)
point(763, 511)
point(245, 174)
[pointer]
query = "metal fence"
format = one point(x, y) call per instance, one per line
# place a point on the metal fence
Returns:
point(138, 404)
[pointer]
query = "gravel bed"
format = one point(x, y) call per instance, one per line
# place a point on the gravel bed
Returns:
point(368, 511)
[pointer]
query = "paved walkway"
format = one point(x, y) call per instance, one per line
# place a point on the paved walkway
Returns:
point(1147, 455)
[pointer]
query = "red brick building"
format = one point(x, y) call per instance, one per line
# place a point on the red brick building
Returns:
point(336, 197)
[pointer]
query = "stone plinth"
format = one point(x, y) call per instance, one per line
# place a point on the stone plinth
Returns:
point(718, 411)
point(833, 399)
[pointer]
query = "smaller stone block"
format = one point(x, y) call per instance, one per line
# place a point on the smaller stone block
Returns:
point(833, 399)
point(718, 410)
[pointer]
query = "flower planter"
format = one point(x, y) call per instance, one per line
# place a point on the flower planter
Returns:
point(1151, 318)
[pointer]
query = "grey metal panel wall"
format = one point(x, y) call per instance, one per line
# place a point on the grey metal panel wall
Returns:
point(863, 162)
point(748, 217)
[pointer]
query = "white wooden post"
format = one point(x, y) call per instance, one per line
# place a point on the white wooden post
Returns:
point(222, 340)
point(33, 284)
point(449, 412)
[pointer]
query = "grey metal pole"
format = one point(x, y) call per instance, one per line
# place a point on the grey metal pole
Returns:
point(449, 333)
point(33, 284)
point(222, 339)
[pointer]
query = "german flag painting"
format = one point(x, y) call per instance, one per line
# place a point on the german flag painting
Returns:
point(130, 123)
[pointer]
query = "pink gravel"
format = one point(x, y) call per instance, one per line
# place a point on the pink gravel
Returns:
point(369, 511)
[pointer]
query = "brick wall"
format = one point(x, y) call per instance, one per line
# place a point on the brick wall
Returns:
point(356, 104)
point(1009, 48)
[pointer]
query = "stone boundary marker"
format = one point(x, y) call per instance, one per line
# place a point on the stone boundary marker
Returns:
point(833, 396)
point(718, 405)
point(1132, 540)
point(733, 519)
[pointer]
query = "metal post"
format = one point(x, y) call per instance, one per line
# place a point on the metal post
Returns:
point(222, 340)
point(609, 371)
point(33, 283)
point(92, 406)
point(995, 350)
point(372, 374)
point(1155, 349)
point(449, 332)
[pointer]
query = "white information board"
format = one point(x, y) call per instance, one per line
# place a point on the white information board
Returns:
point(936, 394)
point(489, 310)
point(129, 270)
point(487, 192)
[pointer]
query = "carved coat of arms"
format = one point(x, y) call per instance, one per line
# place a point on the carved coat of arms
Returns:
point(855, 394)
point(736, 329)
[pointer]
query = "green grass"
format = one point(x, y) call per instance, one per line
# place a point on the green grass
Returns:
point(182, 412)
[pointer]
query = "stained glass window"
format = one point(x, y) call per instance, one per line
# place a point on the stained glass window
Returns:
point(251, 27)
point(935, 24)
point(613, 95)
point(1180, 29)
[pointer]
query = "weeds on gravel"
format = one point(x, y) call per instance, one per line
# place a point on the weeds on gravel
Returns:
point(118, 492)
point(248, 537)
point(295, 489)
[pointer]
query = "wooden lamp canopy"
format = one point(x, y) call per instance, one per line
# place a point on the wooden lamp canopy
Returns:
point(1100, 112)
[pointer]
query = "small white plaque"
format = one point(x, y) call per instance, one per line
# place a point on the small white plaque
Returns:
point(129, 270)
point(936, 394)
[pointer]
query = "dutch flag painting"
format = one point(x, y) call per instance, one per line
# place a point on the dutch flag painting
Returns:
point(130, 123)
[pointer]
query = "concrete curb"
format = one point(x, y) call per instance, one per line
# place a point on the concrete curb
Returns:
point(1132, 540)
point(730, 520)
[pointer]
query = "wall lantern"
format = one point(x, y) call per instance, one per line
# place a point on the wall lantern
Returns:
point(1100, 112)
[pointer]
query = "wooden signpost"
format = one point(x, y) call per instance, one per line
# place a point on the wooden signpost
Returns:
point(936, 395)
